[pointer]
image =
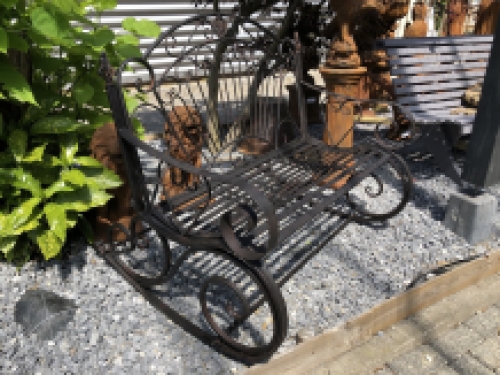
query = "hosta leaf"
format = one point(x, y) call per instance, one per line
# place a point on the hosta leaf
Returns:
point(57, 187)
point(7, 244)
point(21, 179)
point(74, 176)
point(49, 243)
point(18, 141)
point(82, 92)
point(56, 217)
point(35, 155)
point(142, 27)
point(55, 125)
point(4, 40)
point(15, 84)
point(101, 178)
point(82, 199)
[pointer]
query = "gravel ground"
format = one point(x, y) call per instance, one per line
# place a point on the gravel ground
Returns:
point(114, 330)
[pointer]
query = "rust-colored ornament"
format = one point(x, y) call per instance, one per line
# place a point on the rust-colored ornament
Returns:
point(105, 148)
point(183, 136)
point(418, 29)
point(456, 12)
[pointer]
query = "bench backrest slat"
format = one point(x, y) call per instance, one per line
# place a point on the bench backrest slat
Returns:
point(430, 74)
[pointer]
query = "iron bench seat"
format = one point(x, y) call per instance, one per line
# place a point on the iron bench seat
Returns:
point(226, 229)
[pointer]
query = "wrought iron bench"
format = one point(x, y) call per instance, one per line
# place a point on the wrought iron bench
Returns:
point(430, 76)
point(243, 223)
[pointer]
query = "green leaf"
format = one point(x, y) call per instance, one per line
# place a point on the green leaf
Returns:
point(9, 3)
point(18, 141)
point(102, 37)
point(74, 176)
point(15, 84)
point(7, 244)
point(142, 27)
point(101, 178)
point(21, 179)
point(49, 243)
point(128, 51)
point(35, 155)
point(4, 40)
point(82, 92)
point(128, 39)
point(20, 215)
point(87, 161)
point(57, 187)
point(44, 22)
point(101, 5)
point(55, 125)
point(32, 223)
point(69, 148)
point(56, 217)
point(82, 199)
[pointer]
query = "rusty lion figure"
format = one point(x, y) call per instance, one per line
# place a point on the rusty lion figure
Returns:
point(105, 148)
point(184, 139)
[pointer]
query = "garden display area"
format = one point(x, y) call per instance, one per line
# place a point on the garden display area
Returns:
point(221, 212)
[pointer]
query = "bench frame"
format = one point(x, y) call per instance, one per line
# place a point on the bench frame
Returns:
point(447, 60)
point(249, 207)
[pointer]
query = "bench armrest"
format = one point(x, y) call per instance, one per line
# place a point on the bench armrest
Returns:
point(256, 195)
point(358, 102)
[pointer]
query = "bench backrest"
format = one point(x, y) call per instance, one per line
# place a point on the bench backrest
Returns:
point(433, 73)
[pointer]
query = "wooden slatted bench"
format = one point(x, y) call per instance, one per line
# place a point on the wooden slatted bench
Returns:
point(225, 238)
point(430, 76)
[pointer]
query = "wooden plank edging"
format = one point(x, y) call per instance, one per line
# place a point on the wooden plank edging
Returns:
point(336, 341)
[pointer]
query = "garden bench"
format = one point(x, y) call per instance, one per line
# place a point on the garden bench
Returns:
point(429, 77)
point(226, 237)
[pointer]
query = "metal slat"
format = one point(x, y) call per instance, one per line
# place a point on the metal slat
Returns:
point(438, 58)
point(447, 77)
point(457, 40)
point(433, 86)
point(436, 68)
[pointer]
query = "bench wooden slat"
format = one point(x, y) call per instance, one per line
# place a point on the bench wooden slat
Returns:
point(398, 60)
point(434, 97)
point(432, 68)
point(430, 87)
point(457, 40)
point(434, 105)
point(427, 50)
point(451, 76)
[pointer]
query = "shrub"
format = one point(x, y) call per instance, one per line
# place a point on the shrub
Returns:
point(51, 100)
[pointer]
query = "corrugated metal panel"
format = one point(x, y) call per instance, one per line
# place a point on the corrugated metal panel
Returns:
point(166, 13)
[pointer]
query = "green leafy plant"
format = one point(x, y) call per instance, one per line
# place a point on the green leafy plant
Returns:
point(51, 100)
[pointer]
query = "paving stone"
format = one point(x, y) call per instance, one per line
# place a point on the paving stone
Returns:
point(455, 343)
point(489, 353)
point(468, 365)
point(486, 323)
point(422, 360)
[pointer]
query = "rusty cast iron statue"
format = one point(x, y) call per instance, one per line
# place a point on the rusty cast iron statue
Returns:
point(183, 137)
point(105, 148)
